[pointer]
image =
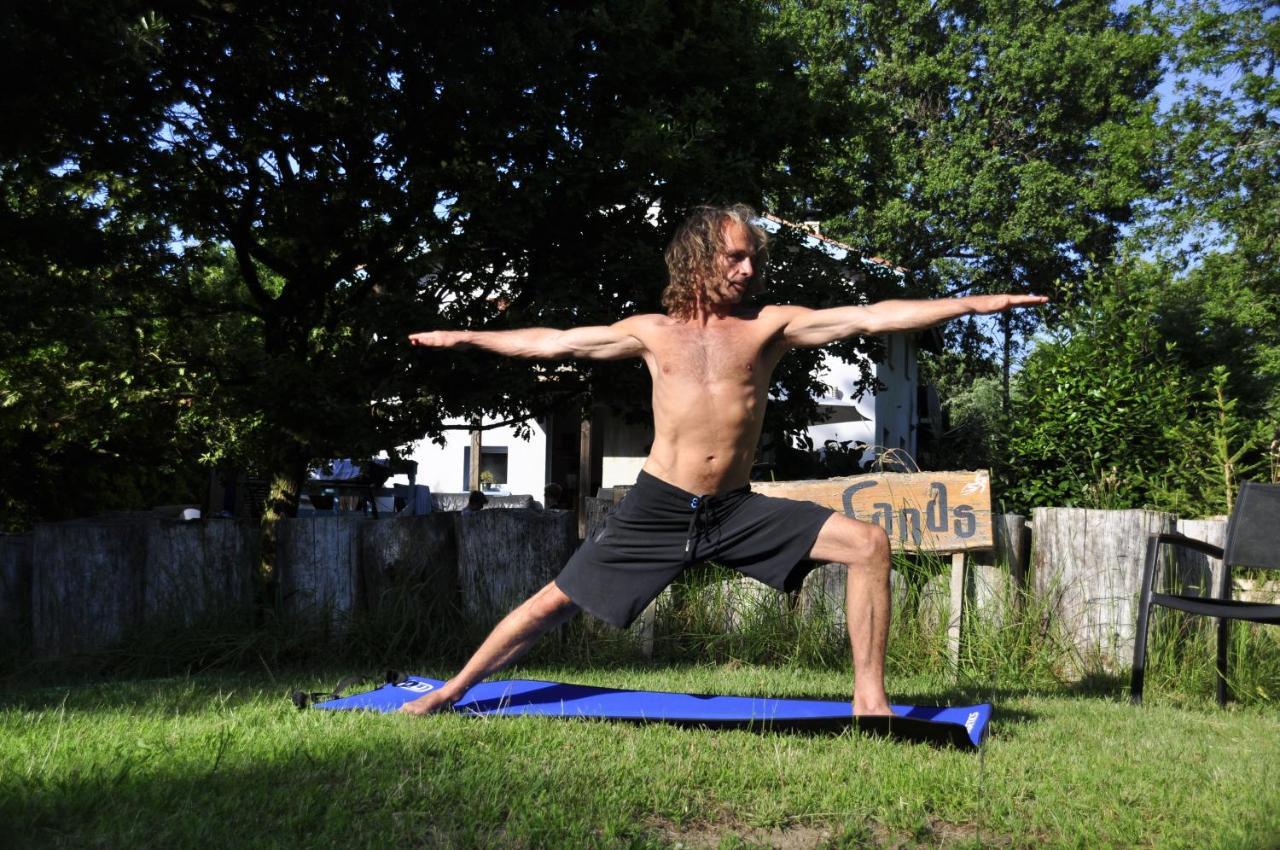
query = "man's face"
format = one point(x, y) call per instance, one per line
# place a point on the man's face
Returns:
point(735, 266)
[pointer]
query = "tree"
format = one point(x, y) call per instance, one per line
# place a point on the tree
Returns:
point(326, 178)
point(1216, 222)
point(93, 395)
point(1002, 146)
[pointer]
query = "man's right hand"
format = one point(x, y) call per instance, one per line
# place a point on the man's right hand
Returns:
point(439, 339)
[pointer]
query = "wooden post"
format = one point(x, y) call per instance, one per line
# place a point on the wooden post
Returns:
point(506, 556)
point(86, 584)
point(473, 478)
point(1013, 545)
point(319, 565)
point(410, 559)
point(956, 610)
point(1197, 574)
point(584, 475)
point(648, 624)
point(15, 590)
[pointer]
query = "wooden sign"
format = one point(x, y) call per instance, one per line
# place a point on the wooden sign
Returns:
point(920, 511)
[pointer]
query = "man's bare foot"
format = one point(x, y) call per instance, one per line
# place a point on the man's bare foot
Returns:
point(872, 707)
point(875, 712)
point(430, 703)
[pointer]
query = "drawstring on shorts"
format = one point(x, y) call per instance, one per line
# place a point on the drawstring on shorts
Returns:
point(696, 524)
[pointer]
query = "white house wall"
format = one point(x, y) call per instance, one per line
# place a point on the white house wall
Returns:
point(888, 417)
point(442, 467)
point(895, 407)
point(626, 445)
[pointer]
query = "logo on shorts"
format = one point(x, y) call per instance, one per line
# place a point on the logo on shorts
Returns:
point(417, 687)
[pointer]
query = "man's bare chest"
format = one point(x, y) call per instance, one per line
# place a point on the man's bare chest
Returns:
point(710, 357)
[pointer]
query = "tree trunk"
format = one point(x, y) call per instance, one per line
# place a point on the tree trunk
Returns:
point(1087, 568)
point(282, 503)
point(1006, 364)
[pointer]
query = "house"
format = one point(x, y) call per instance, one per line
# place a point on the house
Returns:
point(612, 450)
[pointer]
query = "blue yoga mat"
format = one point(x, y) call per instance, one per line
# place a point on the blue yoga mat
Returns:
point(962, 726)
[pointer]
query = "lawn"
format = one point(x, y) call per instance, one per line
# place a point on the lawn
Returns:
point(225, 759)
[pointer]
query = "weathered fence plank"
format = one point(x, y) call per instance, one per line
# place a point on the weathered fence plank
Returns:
point(409, 554)
point(15, 591)
point(1087, 566)
point(1196, 573)
point(1012, 546)
point(822, 596)
point(197, 569)
point(597, 511)
point(93, 581)
point(318, 560)
point(86, 584)
point(505, 556)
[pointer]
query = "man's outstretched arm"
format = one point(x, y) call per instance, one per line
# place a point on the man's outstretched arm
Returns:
point(811, 328)
point(604, 342)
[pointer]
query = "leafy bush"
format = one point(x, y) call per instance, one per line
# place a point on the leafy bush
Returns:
point(1101, 411)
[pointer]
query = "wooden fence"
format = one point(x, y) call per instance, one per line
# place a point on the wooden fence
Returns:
point(83, 586)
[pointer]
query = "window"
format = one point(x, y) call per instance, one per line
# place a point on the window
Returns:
point(493, 460)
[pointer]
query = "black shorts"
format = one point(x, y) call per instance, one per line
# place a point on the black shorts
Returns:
point(658, 530)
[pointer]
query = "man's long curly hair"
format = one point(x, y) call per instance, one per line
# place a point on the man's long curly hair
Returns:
point(691, 256)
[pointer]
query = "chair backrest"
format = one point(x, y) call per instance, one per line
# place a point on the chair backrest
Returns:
point(1253, 534)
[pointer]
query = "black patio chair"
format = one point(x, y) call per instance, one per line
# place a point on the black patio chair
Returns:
point(1253, 540)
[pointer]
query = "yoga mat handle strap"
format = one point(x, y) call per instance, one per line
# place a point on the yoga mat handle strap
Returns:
point(302, 699)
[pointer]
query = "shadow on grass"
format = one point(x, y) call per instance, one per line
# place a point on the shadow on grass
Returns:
point(292, 799)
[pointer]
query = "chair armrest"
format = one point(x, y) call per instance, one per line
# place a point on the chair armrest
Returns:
point(1173, 538)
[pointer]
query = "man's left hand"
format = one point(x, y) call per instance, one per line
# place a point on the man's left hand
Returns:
point(983, 304)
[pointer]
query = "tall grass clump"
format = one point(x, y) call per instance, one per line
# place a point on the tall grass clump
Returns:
point(713, 615)
point(1182, 659)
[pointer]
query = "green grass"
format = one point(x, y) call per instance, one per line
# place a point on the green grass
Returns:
point(224, 759)
point(184, 738)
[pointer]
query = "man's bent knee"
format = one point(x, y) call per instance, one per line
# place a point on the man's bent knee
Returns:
point(852, 542)
point(551, 604)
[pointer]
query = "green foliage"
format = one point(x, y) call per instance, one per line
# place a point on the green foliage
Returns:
point(1095, 408)
point(971, 392)
point(1222, 448)
point(308, 184)
point(94, 388)
point(1214, 218)
point(1001, 145)
point(1220, 315)
point(1108, 415)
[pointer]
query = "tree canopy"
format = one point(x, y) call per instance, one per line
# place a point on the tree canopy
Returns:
point(222, 219)
point(310, 183)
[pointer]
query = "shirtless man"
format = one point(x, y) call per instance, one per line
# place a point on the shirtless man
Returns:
point(710, 358)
